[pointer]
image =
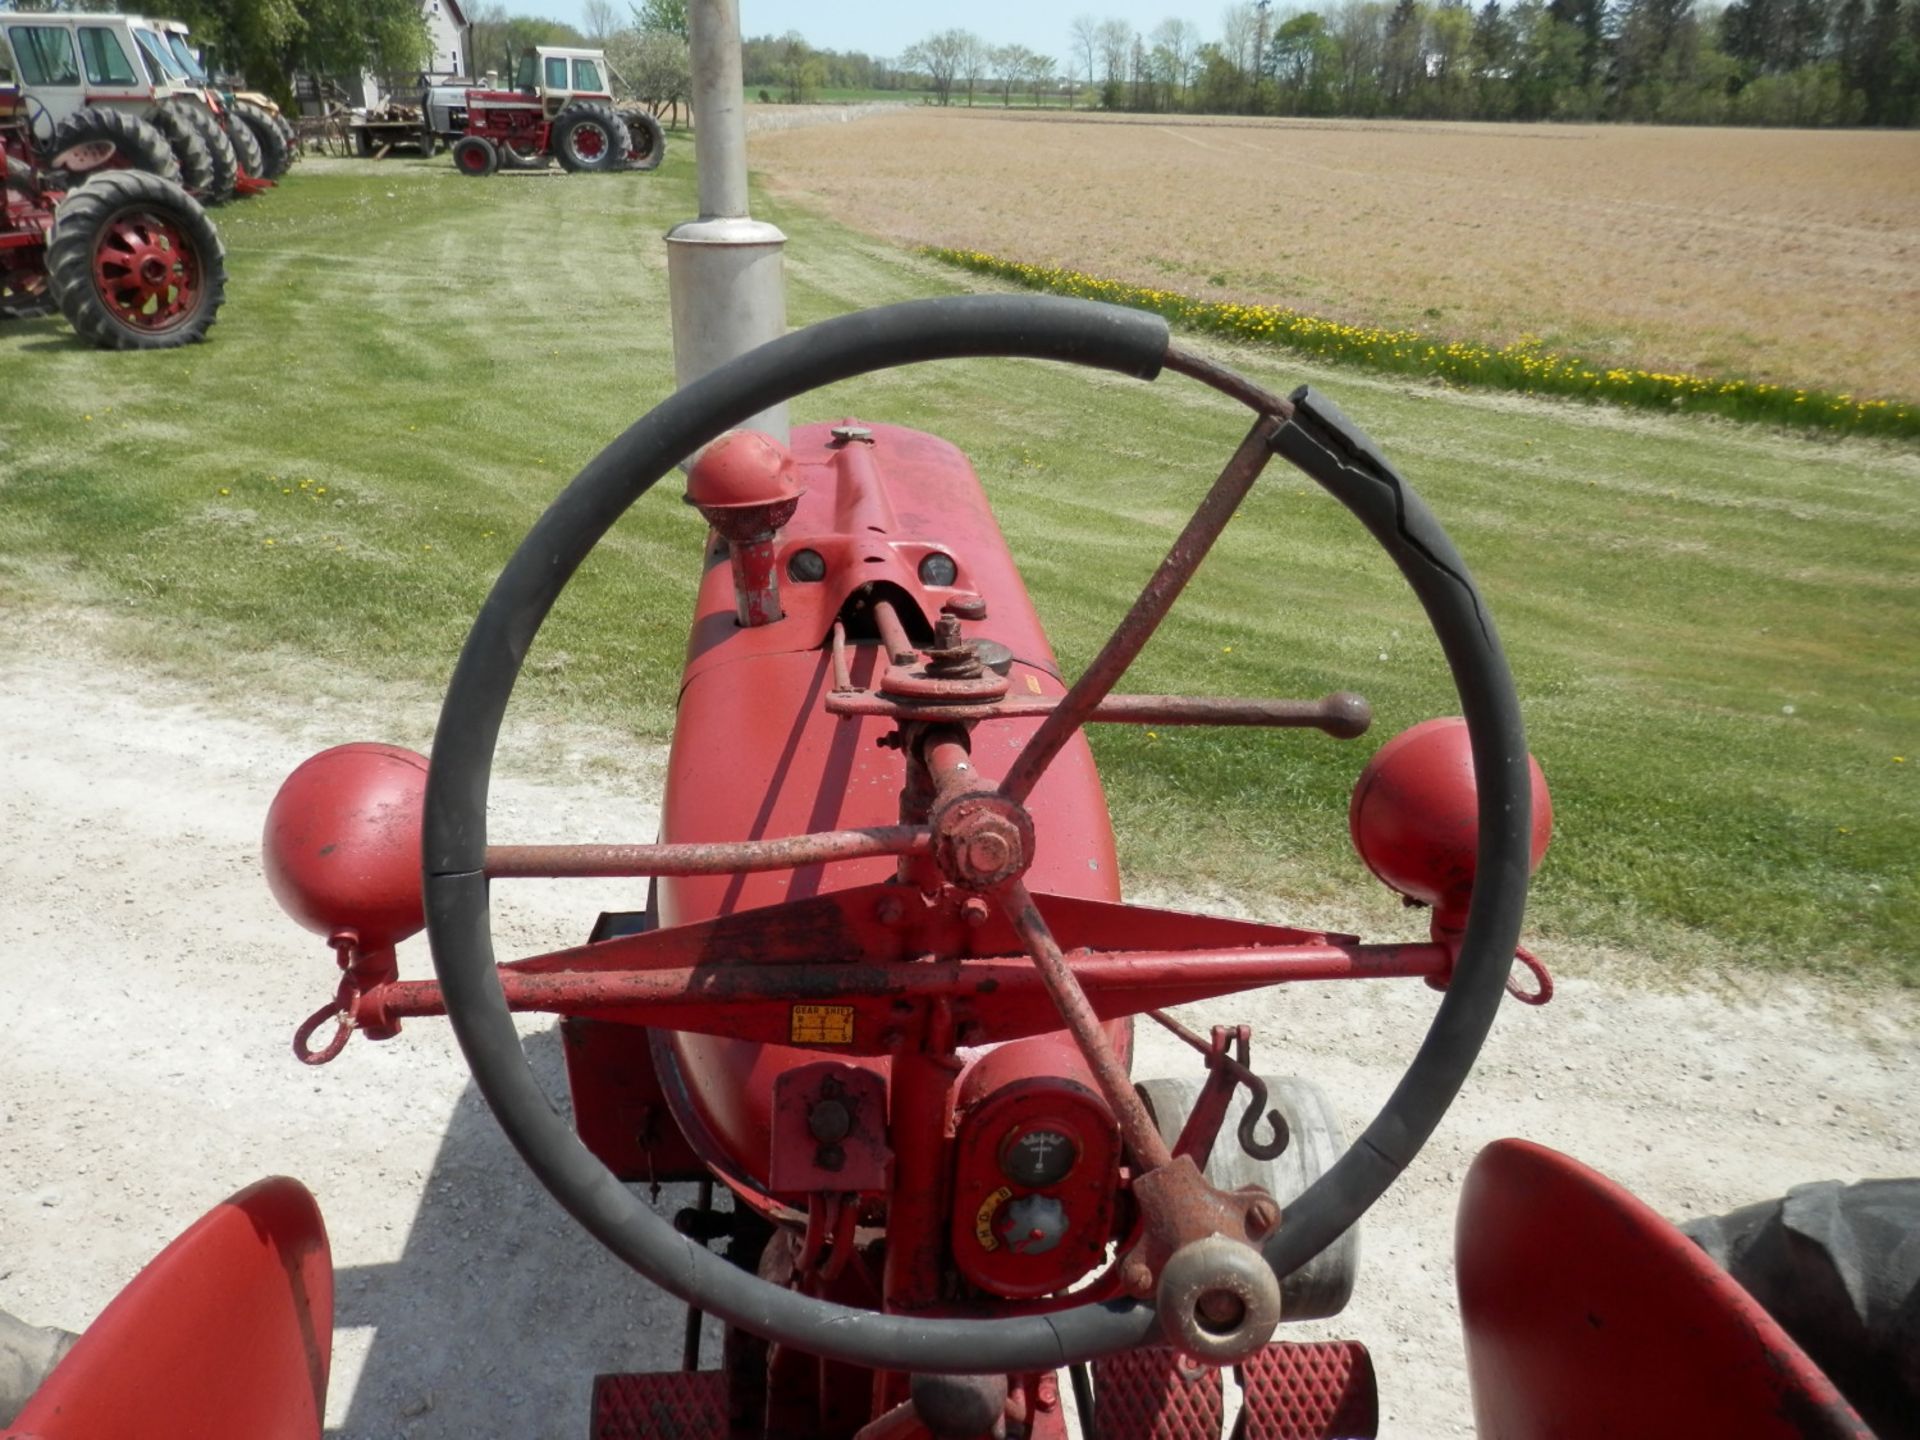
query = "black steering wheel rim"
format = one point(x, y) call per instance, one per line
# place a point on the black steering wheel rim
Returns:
point(1036, 327)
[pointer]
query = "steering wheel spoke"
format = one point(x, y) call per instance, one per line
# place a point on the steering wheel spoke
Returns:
point(1156, 599)
point(728, 857)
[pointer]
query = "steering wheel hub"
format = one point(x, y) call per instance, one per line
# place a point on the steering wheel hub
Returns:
point(982, 840)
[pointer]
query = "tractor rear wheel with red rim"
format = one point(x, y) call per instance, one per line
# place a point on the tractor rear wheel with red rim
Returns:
point(135, 263)
point(587, 136)
point(1306, 430)
point(475, 155)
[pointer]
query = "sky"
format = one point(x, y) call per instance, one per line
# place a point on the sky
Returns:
point(886, 27)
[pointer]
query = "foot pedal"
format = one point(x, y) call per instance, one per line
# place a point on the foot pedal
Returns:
point(1310, 1392)
point(666, 1405)
point(1153, 1393)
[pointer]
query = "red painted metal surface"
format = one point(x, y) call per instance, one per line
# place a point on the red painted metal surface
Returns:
point(873, 509)
point(1154, 1393)
point(26, 216)
point(1013, 1101)
point(745, 975)
point(1413, 817)
point(666, 1405)
point(1589, 1316)
point(342, 843)
point(830, 1132)
point(1321, 1391)
point(147, 271)
point(226, 1335)
point(742, 470)
point(619, 1108)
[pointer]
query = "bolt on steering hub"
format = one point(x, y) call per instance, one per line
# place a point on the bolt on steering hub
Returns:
point(981, 840)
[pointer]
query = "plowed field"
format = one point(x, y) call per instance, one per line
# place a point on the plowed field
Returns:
point(1791, 256)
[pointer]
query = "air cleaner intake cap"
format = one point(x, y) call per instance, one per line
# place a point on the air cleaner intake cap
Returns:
point(742, 470)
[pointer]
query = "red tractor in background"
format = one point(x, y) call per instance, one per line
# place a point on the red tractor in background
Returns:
point(560, 108)
point(128, 257)
point(881, 990)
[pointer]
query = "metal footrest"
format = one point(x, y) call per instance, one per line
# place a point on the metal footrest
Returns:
point(1322, 1391)
point(1289, 1392)
point(666, 1405)
point(1152, 1394)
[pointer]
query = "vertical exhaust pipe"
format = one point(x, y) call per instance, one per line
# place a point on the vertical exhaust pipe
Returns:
point(724, 270)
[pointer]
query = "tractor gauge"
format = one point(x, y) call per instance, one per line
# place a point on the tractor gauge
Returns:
point(1039, 1157)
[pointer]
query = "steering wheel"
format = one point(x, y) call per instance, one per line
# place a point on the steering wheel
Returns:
point(1306, 430)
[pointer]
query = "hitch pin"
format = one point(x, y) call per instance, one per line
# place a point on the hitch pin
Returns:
point(1278, 1132)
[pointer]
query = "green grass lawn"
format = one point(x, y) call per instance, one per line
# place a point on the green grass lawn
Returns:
point(1712, 625)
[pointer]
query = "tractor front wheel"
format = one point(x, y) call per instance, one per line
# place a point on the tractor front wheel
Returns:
point(135, 263)
point(99, 139)
point(588, 136)
point(475, 155)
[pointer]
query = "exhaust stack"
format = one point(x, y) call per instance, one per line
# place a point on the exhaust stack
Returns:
point(724, 272)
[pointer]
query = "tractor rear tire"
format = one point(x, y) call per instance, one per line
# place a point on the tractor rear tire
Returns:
point(246, 148)
point(135, 263)
point(131, 143)
point(475, 155)
point(274, 155)
point(587, 138)
point(1322, 1286)
point(189, 150)
point(1838, 1266)
point(226, 168)
point(648, 142)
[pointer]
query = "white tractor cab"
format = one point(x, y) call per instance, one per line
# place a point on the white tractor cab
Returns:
point(107, 91)
point(558, 75)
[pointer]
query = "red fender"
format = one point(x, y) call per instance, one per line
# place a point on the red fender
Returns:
point(1589, 1316)
point(226, 1335)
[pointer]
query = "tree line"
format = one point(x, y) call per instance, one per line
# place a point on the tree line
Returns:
point(1767, 62)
